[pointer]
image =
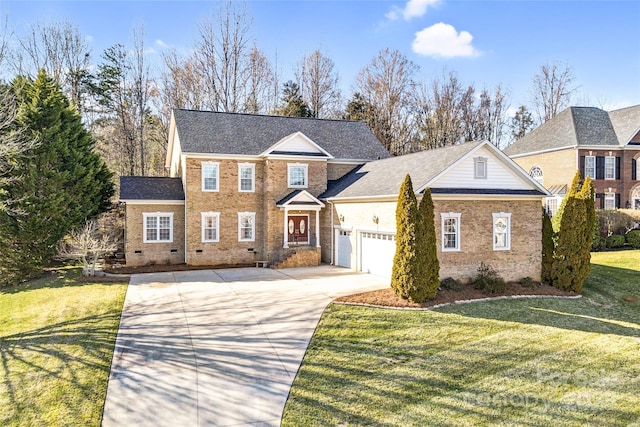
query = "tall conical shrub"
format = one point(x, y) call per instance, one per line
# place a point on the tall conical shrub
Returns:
point(428, 278)
point(547, 247)
point(404, 272)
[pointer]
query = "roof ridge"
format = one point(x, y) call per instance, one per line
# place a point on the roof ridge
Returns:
point(266, 115)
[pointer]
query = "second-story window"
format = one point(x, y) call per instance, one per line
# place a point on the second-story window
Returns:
point(210, 173)
point(590, 167)
point(609, 167)
point(298, 177)
point(246, 177)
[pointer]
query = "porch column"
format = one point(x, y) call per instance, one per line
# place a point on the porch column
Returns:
point(318, 228)
point(284, 230)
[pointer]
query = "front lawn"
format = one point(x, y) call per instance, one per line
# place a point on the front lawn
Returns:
point(536, 362)
point(56, 342)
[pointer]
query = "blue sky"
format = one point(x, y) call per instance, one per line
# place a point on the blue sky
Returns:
point(485, 42)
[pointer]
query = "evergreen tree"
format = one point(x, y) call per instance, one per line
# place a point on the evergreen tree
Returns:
point(428, 265)
point(547, 247)
point(557, 217)
point(404, 272)
point(294, 105)
point(586, 197)
point(63, 183)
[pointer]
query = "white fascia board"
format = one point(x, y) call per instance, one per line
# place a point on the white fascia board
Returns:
point(152, 202)
point(287, 138)
point(172, 131)
point(489, 197)
point(548, 150)
point(213, 156)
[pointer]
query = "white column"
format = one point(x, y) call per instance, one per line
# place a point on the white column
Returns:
point(317, 228)
point(284, 230)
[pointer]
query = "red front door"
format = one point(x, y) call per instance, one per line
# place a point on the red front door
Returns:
point(298, 229)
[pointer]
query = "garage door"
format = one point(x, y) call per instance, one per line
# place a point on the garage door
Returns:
point(378, 250)
point(344, 249)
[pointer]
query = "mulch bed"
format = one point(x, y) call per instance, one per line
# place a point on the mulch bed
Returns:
point(387, 298)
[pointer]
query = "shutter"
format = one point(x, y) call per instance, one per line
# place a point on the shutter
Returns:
point(582, 171)
point(633, 169)
point(601, 197)
point(617, 167)
point(600, 167)
point(617, 200)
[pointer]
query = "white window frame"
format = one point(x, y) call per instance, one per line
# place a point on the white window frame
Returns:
point(157, 216)
point(215, 165)
point(304, 166)
point(477, 161)
point(611, 198)
point(204, 216)
point(590, 173)
point(507, 238)
point(443, 218)
point(609, 166)
point(241, 216)
point(252, 167)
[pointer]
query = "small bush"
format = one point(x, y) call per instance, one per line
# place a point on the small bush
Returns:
point(527, 282)
point(451, 284)
point(488, 280)
point(615, 241)
point(633, 239)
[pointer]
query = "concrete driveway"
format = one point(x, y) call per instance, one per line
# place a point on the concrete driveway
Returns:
point(217, 347)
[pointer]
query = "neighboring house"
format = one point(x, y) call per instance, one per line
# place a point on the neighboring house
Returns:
point(487, 209)
point(600, 144)
point(294, 191)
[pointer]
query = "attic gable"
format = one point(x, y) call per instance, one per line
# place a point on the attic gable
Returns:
point(296, 144)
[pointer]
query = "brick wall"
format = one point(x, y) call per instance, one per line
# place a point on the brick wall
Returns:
point(139, 253)
point(338, 170)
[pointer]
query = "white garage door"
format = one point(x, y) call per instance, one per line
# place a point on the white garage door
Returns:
point(344, 249)
point(378, 250)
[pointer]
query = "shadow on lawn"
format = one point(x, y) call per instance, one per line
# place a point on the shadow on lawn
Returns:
point(77, 345)
point(610, 305)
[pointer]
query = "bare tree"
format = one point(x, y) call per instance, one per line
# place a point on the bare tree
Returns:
point(141, 92)
point(387, 85)
point(552, 90)
point(319, 81)
point(260, 95)
point(59, 49)
point(486, 119)
point(90, 244)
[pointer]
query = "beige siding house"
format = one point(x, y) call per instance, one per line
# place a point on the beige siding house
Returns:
point(282, 191)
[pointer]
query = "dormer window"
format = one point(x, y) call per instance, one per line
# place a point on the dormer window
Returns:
point(298, 175)
point(480, 167)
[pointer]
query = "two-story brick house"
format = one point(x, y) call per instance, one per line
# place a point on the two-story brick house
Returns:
point(293, 191)
point(600, 144)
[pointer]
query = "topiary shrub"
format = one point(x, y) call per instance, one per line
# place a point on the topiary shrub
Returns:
point(615, 241)
point(527, 282)
point(488, 280)
point(633, 239)
point(451, 284)
point(404, 275)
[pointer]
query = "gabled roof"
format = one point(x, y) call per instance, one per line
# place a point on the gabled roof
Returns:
point(150, 188)
point(299, 198)
point(580, 126)
point(249, 134)
point(432, 168)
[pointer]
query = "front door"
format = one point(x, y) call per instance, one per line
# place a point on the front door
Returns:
point(298, 229)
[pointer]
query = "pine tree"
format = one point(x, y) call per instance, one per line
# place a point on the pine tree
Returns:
point(547, 247)
point(428, 265)
point(404, 272)
point(63, 183)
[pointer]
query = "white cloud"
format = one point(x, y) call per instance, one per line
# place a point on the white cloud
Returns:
point(413, 9)
point(443, 41)
point(161, 44)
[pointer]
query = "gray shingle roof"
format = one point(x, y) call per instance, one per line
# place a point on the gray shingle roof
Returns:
point(150, 188)
point(249, 134)
point(582, 126)
point(384, 177)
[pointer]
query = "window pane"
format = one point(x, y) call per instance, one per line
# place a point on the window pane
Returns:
point(164, 234)
point(590, 166)
point(152, 234)
point(609, 167)
point(210, 181)
point(165, 222)
point(152, 222)
point(296, 176)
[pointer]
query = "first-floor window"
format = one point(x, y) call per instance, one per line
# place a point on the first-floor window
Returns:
point(501, 231)
point(210, 226)
point(450, 231)
point(609, 200)
point(158, 227)
point(552, 204)
point(246, 226)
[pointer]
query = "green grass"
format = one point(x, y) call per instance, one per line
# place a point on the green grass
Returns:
point(537, 362)
point(56, 342)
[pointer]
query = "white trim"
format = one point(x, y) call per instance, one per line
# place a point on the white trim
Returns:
point(392, 198)
point(548, 150)
point(152, 202)
point(449, 215)
point(253, 228)
point(157, 215)
point(613, 158)
point(299, 196)
point(288, 138)
point(204, 215)
point(220, 156)
point(594, 167)
point(476, 162)
point(306, 174)
point(497, 215)
point(612, 198)
point(204, 165)
point(251, 166)
point(308, 227)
